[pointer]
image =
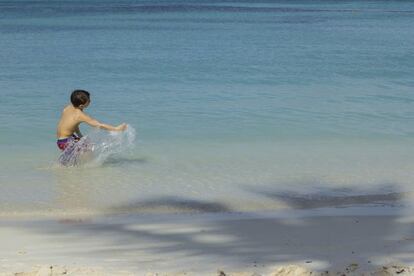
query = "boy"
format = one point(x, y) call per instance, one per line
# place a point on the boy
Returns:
point(72, 115)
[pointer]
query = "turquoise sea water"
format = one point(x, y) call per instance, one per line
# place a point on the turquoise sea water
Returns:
point(238, 105)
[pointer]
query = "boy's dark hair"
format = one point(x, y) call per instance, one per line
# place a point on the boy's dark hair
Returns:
point(79, 97)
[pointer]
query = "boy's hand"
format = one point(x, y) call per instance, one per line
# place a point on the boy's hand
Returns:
point(122, 127)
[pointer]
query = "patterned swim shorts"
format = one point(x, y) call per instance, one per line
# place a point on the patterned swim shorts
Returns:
point(65, 142)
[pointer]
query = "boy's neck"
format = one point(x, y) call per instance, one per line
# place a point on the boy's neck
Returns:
point(80, 108)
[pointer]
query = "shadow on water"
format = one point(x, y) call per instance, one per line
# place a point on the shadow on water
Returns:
point(172, 204)
point(120, 161)
point(247, 243)
point(383, 195)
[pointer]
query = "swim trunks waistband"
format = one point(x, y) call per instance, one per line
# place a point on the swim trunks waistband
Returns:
point(73, 136)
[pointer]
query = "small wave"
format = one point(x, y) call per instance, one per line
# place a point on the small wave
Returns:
point(96, 147)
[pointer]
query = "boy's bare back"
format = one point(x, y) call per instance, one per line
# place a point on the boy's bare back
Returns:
point(69, 122)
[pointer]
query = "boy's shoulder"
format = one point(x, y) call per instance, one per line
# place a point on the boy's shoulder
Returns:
point(72, 111)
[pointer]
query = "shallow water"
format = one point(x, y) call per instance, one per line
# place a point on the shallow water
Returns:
point(237, 105)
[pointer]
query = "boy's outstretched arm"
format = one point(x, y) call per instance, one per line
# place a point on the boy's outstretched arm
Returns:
point(92, 122)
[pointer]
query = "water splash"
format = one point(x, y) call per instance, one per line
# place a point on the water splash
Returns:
point(93, 149)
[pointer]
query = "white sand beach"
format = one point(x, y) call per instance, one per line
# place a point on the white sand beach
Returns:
point(324, 242)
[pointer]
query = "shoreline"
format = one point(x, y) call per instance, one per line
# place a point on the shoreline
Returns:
point(281, 270)
point(390, 203)
point(348, 240)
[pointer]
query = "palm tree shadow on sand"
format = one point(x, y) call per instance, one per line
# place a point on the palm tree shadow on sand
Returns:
point(247, 242)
